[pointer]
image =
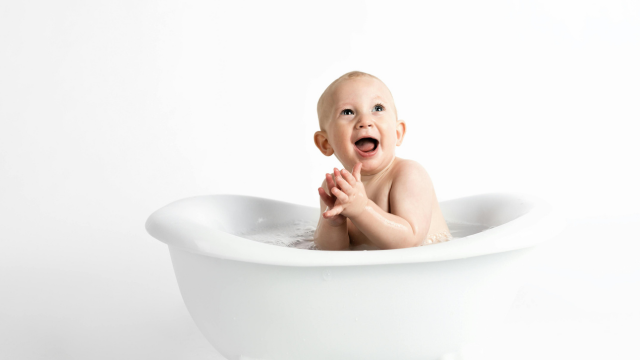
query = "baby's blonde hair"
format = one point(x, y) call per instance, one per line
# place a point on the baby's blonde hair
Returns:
point(350, 75)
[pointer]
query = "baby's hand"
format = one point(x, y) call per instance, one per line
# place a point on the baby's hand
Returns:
point(330, 200)
point(351, 196)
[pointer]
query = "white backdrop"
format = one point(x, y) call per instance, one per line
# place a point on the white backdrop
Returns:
point(111, 109)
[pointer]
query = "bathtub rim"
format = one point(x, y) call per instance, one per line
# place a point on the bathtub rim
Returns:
point(538, 225)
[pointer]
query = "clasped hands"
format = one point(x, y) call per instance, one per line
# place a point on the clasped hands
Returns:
point(347, 198)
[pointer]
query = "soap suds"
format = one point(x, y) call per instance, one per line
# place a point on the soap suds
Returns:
point(299, 234)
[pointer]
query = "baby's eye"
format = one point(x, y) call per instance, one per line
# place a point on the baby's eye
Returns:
point(378, 106)
point(345, 110)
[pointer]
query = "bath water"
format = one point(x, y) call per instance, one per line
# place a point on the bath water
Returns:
point(299, 234)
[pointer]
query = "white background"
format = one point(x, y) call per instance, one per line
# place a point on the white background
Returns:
point(112, 109)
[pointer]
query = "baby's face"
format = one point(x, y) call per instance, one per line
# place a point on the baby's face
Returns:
point(361, 124)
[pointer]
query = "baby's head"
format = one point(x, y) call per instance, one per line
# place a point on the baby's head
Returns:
point(359, 122)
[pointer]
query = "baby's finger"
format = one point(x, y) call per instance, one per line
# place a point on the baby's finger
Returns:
point(337, 175)
point(356, 171)
point(330, 182)
point(344, 185)
point(347, 176)
point(340, 195)
point(326, 198)
point(333, 212)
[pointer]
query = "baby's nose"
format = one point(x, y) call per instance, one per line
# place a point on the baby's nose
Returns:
point(365, 122)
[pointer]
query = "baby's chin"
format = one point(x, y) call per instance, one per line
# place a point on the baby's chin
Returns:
point(374, 164)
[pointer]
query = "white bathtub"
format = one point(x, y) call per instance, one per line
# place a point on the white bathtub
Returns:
point(255, 301)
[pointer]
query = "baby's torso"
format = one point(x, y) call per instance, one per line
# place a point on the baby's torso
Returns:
point(378, 192)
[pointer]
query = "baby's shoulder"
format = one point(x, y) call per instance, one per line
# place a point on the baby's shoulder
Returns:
point(407, 167)
point(409, 173)
point(409, 176)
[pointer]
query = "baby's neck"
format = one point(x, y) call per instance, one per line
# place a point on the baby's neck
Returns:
point(372, 177)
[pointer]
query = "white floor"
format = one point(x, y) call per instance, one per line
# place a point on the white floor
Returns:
point(76, 294)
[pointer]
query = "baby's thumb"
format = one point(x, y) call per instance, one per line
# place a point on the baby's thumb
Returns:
point(356, 171)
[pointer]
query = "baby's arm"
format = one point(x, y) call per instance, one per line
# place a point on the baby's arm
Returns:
point(331, 232)
point(410, 203)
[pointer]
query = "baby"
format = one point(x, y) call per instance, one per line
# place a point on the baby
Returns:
point(385, 202)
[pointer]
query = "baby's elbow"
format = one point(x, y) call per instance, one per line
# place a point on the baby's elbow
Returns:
point(408, 242)
point(416, 238)
point(414, 241)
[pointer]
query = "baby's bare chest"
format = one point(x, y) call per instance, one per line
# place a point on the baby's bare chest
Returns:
point(379, 194)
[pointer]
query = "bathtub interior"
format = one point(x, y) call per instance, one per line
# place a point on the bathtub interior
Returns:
point(233, 214)
point(489, 210)
point(210, 225)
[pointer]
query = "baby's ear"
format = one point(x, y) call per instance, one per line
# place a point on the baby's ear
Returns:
point(320, 138)
point(401, 129)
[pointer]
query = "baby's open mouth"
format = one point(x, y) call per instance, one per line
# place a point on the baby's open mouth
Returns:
point(367, 144)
